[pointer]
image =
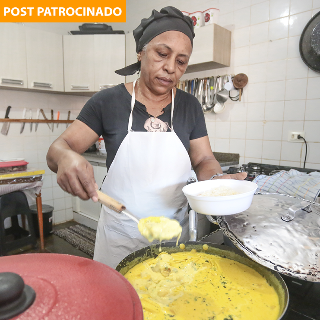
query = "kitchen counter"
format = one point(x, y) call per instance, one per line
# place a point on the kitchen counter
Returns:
point(225, 159)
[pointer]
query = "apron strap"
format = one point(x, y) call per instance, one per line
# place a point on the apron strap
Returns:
point(133, 100)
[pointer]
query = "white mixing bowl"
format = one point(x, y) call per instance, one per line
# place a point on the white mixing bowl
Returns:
point(221, 205)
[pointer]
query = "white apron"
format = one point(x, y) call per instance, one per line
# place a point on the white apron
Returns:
point(147, 176)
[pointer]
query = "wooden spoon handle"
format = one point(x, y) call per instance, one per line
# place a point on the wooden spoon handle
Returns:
point(240, 91)
point(110, 202)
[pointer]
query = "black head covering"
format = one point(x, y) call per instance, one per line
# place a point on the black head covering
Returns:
point(168, 19)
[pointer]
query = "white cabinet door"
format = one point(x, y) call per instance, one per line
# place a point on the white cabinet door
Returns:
point(13, 61)
point(44, 60)
point(131, 55)
point(78, 63)
point(109, 55)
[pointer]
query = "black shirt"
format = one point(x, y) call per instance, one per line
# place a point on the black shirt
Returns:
point(107, 113)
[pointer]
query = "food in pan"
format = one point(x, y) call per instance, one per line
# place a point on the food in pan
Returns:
point(159, 228)
point(218, 192)
point(197, 285)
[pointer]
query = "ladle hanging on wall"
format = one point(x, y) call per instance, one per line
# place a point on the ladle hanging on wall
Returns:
point(239, 82)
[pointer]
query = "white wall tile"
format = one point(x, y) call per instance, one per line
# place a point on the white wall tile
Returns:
point(255, 111)
point(312, 131)
point(239, 112)
point(293, 47)
point(297, 23)
point(221, 145)
point(296, 89)
point(294, 110)
point(289, 126)
point(69, 214)
point(279, 9)
point(276, 70)
point(297, 6)
point(211, 128)
point(242, 18)
point(258, 72)
point(316, 4)
point(313, 153)
point(312, 73)
point(256, 92)
point(278, 28)
point(240, 4)
point(290, 151)
point(275, 91)
point(259, 33)
point(226, 19)
point(258, 53)
point(241, 56)
point(253, 149)
point(222, 130)
point(270, 161)
point(312, 109)
point(237, 146)
point(272, 130)
point(277, 49)
point(254, 130)
point(59, 204)
point(238, 130)
point(59, 216)
point(241, 37)
point(274, 110)
point(260, 12)
point(313, 91)
point(296, 68)
point(271, 150)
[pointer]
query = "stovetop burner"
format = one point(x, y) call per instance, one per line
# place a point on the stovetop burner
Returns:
point(254, 169)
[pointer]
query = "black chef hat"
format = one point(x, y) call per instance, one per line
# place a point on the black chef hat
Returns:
point(168, 19)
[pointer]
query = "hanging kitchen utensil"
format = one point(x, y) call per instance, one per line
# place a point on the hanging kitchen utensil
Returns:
point(37, 117)
point(208, 105)
point(30, 117)
point(44, 116)
point(219, 106)
point(309, 44)
point(222, 94)
point(24, 112)
point(58, 117)
point(66, 287)
point(240, 81)
point(52, 119)
point(68, 118)
point(280, 232)
point(115, 205)
point(6, 125)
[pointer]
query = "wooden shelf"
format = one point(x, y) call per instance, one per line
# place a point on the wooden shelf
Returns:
point(35, 120)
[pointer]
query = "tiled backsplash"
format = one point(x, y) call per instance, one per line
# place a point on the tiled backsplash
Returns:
point(282, 94)
point(33, 146)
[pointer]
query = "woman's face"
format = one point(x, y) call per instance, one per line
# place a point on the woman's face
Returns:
point(165, 60)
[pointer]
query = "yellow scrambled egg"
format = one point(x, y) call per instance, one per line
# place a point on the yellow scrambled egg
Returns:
point(159, 228)
point(195, 285)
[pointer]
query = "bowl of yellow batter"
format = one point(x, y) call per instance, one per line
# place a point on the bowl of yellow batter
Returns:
point(203, 281)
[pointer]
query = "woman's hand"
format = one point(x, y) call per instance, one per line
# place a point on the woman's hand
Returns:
point(74, 172)
point(236, 176)
point(75, 176)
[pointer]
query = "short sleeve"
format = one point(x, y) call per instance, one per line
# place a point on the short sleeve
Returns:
point(91, 115)
point(200, 129)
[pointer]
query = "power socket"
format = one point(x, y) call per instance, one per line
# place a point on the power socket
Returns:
point(293, 136)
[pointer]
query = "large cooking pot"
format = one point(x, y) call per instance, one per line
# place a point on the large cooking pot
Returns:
point(65, 287)
point(272, 277)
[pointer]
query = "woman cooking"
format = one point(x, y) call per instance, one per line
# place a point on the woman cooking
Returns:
point(153, 132)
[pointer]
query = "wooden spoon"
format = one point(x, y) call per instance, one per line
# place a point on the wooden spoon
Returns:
point(239, 82)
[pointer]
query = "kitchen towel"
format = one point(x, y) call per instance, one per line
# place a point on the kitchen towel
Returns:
point(293, 183)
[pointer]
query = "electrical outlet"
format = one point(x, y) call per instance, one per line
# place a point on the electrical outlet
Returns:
point(293, 136)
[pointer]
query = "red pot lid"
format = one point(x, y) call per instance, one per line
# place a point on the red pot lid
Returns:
point(70, 287)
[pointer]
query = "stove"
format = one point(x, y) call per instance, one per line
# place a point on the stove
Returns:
point(304, 296)
point(254, 169)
